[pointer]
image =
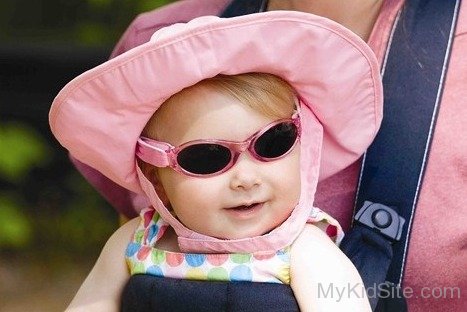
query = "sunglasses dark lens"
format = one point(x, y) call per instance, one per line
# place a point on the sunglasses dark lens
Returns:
point(276, 141)
point(204, 158)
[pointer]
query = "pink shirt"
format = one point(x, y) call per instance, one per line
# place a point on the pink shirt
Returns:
point(437, 256)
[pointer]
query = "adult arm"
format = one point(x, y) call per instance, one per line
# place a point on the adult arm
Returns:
point(322, 277)
point(102, 288)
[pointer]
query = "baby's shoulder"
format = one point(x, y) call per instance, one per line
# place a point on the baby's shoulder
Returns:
point(312, 239)
point(121, 237)
point(314, 247)
point(314, 232)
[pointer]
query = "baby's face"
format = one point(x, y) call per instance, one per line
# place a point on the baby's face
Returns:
point(252, 197)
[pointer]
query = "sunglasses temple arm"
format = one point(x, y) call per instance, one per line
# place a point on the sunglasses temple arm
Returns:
point(156, 154)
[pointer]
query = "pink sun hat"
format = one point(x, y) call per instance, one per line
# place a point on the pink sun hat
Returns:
point(99, 115)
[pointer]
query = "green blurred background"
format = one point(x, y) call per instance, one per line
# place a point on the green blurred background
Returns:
point(52, 223)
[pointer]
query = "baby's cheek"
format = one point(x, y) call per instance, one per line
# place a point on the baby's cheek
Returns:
point(288, 175)
point(194, 194)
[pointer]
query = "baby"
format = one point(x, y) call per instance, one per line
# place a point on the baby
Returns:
point(227, 135)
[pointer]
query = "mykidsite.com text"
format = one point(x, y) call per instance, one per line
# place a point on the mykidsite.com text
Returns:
point(337, 292)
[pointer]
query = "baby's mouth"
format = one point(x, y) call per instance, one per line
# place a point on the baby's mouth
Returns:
point(244, 207)
point(245, 210)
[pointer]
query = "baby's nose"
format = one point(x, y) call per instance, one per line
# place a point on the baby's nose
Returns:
point(245, 173)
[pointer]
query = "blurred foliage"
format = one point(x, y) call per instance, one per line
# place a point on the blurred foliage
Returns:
point(82, 225)
point(46, 207)
point(80, 22)
point(15, 227)
point(21, 148)
point(46, 213)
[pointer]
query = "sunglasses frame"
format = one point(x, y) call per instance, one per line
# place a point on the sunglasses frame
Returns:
point(162, 154)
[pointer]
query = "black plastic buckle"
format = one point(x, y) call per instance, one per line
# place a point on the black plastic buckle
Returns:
point(381, 218)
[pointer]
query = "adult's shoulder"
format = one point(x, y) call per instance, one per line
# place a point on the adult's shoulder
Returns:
point(145, 24)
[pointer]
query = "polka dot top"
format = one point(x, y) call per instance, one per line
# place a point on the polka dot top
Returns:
point(274, 267)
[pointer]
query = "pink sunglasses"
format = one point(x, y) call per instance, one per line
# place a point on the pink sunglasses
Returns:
point(205, 158)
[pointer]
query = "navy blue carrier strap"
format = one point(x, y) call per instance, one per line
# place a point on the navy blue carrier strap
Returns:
point(151, 293)
point(394, 165)
point(244, 7)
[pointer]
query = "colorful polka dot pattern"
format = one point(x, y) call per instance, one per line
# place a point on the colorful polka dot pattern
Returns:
point(142, 258)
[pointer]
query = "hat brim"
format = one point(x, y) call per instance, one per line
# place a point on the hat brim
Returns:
point(99, 115)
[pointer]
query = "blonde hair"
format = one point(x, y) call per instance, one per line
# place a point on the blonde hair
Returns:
point(267, 94)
